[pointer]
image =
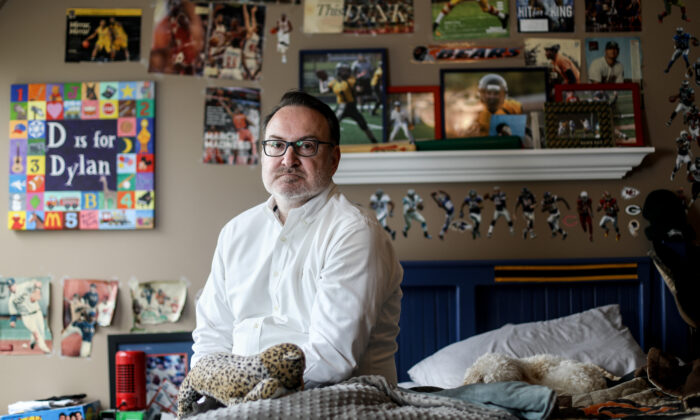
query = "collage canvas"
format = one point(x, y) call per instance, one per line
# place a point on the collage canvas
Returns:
point(82, 156)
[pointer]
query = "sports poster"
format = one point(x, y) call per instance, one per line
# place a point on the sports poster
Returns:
point(231, 126)
point(86, 304)
point(562, 57)
point(157, 302)
point(457, 52)
point(82, 156)
point(24, 309)
point(378, 17)
point(545, 16)
point(103, 35)
point(219, 40)
point(622, 16)
point(323, 16)
point(470, 19)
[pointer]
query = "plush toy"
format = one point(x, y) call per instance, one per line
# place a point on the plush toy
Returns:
point(229, 379)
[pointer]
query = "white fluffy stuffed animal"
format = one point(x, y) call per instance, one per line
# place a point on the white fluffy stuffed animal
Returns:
point(565, 377)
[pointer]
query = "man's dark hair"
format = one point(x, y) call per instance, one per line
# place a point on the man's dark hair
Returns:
point(301, 98)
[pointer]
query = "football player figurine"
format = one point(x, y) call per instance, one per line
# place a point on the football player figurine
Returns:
point(499, 202)
point(584, 207)
point(694, 178)
point(667, 10)
point(683, 154)
point(549, 203)
point(527, 201)
point(610, 210)
point(442, 199)
point(473, 201)
point(412, 203)
point(685, 98)
point(384, 207)
point(691, 118)
point(681, 45)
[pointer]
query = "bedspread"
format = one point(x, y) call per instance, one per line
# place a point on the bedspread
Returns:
point(364, 397)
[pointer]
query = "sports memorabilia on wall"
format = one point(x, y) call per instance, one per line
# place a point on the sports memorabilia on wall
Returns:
point(82, 156)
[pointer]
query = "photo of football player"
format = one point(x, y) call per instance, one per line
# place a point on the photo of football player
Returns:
point(499, 210)
point(463, 19)
point(412, 205)
point(694, 178)
point(443, 201)
point(343, 87)
point(381, 203)
point(549, 204)
point(562, 65)
point(473, 201)
point(584, 208)
point(608, 205)
point(472, 98)
point(685, 98)
point(683, 154)
point(667, 10)
point(526, 201)
point(681, 48)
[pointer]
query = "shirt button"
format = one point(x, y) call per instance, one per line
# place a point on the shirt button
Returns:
point(275, 274)
point(257, 325)
point(283, 239)
point(277, 308)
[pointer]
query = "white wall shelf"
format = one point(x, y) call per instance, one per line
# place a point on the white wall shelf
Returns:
point(489, 165)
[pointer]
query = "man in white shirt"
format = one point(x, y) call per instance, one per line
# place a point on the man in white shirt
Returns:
point(607, 69)
point(308, 266)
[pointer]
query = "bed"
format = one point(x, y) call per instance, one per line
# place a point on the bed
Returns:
point(450, 304)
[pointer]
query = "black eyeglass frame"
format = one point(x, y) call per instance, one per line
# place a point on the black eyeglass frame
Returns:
point(293, 144)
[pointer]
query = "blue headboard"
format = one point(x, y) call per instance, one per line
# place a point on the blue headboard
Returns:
point(449, 301)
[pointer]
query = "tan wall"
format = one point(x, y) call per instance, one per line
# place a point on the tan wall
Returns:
point(194, 200)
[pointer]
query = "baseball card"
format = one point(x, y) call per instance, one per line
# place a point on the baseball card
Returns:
point(561, 57)
point(24, 309)
point(614, 60)
point(157, 302)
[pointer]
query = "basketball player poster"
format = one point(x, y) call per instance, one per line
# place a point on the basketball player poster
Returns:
point(231, 126)
point(103, 35)
point(24, 309)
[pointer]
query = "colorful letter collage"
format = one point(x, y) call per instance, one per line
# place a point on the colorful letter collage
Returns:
point(82, 156)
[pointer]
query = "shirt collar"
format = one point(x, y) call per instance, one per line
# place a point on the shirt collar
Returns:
point(309, 209)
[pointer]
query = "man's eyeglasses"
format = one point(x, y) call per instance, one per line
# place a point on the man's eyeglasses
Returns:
point(305, 148)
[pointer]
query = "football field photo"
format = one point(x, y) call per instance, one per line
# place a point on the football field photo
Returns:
point(467, 20)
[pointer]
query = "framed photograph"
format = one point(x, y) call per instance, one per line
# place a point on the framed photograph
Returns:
point(168, 357)
point(626, 107)
point(582, 124)
point(459, 19)
point(353, 83)
point(470, 97)
point(414, 113)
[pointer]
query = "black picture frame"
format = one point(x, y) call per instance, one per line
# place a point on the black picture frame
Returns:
point(313, 63)
point(597, 132)
point(150, 343)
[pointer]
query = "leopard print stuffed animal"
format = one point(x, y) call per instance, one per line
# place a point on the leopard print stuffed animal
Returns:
point(230, 379)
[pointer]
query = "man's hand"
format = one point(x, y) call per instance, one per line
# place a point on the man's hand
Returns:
point(322, 75)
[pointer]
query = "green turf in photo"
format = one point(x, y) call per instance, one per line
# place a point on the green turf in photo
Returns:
point(466, 20)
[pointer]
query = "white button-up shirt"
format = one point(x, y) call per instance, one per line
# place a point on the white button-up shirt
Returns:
point(327, 280)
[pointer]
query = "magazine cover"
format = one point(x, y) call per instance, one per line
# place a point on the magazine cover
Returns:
point(545, 16)
point(231, 126)
point(103, 35)
point(470, 19)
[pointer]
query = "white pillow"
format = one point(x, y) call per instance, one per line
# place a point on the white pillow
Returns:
point(594, 336)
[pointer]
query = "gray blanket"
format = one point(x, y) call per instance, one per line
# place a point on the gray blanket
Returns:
point(364, 397)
